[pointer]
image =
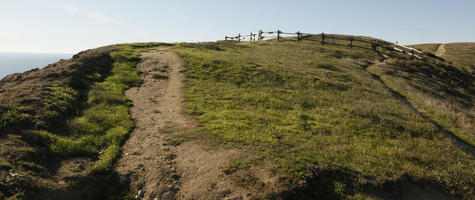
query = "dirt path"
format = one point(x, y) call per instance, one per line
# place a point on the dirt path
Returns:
point(156, 101)
point(440, 50)
point(158, 168)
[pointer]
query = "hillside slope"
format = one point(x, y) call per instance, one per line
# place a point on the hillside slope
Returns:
point(274, 120)
point(328, 115)
point(62, 126)
point(460, 54)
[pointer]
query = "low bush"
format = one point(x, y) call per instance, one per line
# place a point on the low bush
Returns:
point(12, 118)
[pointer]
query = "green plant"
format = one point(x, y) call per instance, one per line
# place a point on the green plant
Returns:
point(236, 165)
point(11, 117)
point(106, 122)
point(179, 136)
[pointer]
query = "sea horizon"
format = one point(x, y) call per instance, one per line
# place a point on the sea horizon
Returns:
point(17, 62)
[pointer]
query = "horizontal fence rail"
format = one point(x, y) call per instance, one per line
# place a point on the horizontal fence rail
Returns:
point(326, 39)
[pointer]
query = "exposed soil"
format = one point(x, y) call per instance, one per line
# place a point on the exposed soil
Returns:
point(440, 50)
point(165, 156)
point(160, 169)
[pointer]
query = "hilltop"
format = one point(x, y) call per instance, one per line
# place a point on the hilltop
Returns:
point(240, 120)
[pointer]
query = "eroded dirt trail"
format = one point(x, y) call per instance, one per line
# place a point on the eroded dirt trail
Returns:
point(440, 50)
point(158, 169)
point(145, 156)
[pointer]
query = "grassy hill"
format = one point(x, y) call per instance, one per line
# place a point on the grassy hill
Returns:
point(460, 54)
point(335, 122)
point(69, 117)
point(318, 111)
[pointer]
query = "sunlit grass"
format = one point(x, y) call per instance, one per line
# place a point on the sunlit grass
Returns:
point(11, 117)
point(104, 125)
point(304, 105)
point(438, 90)
point(459, 54)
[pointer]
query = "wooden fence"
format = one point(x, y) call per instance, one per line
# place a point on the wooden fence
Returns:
point(326, 39)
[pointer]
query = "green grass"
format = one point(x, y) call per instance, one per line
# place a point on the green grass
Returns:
point(427, 47)
point(459, 54)
point(176, 134)
point(304, 105)
point(11, 117)
point(442, 91)
point(5, 165)
point(105, 123)
point(236, 165)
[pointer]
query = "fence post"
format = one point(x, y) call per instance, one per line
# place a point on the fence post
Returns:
point(278, 35)
point(225, 37)
point(323, 38)
point(250, 37)
point(239, 37)
point(375, 46)
point(259, 35)
point(298, 36)
point(351, 42)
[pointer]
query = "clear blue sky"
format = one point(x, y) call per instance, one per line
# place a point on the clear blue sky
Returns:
point(72, 26)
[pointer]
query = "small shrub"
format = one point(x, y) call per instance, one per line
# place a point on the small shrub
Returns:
point(11, 118)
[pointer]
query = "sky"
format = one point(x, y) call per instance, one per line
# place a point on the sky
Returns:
point(56, 26)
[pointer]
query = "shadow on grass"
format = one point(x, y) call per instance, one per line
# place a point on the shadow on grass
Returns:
point(343, 184)
point(100, 186)
point(462, 144)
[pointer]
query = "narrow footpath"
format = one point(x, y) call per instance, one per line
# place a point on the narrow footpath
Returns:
point(440, 50)
point(157, 167)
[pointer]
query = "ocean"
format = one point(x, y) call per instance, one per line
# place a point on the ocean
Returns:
point(20, 62)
